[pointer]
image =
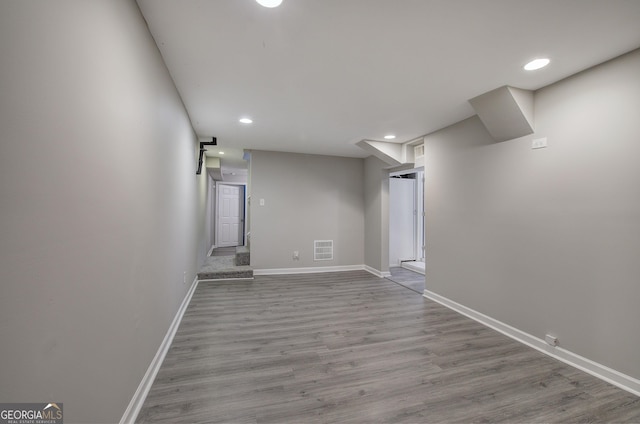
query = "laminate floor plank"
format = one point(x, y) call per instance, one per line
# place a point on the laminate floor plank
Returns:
point(407, 278)
point(349, 347)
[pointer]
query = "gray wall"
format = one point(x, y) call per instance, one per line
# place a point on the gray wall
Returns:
point(307, 198)
point(100, 208)
point(376, 200)
point(547, 240)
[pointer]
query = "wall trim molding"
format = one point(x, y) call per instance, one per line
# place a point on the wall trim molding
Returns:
point(225, 279)
point(377, 273)
point(132, 411)
point(307, 270)
point(411, 267)
point(611, 376)
point(317, 269)
point(213, 246)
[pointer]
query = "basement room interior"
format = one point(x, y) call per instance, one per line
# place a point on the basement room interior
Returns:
point(319, 211)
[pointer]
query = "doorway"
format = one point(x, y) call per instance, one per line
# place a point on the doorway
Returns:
point(230, 215)
point(406, 220)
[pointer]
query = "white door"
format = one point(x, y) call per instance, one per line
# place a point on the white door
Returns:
point(230, 215)
point(402, 219)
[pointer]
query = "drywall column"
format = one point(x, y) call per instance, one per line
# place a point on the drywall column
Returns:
point(376, 199)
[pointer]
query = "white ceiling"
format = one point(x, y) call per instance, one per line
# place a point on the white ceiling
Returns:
point(317, 76)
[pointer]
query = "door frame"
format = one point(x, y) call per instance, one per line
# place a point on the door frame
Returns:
point(244, 211)
point(419, 236)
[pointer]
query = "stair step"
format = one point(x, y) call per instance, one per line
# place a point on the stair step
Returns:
point(223, 268)
point(243, 257)
point(225, 275)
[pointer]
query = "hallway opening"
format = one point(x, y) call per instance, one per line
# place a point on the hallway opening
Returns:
point(406, 220)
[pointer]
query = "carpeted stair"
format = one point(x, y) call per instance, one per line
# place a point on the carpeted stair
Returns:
point(227, 267)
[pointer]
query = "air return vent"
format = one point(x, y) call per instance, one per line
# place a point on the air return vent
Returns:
point(322, 250)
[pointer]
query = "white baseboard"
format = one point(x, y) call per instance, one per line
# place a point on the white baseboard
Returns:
point(313, 270)
point(211, 250)
point(226, 279)
point(623, 381)
point(412, 267)
point(377, 273)
point(307, 270)
point(132, 411)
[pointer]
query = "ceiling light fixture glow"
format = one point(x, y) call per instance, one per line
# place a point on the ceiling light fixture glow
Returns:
point(536, 64)
point(269, 3)
point(389, 137)
point(246, 120)
point(221, 153)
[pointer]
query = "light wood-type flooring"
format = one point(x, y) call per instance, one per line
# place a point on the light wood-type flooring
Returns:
point(353, 348)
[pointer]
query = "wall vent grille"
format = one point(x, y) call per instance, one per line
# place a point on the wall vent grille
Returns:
point(322, 250)
point(418, 151)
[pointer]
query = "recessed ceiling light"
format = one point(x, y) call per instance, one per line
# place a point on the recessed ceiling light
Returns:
point(246, 120)
point(389, 137)
point(536, 64)
point(221, 153)
point(269, 3)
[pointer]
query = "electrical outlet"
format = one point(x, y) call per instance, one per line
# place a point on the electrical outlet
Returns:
point(184, 277)
point(296, 255)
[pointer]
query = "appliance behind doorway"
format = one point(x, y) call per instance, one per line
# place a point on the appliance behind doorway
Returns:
point(406, 220)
